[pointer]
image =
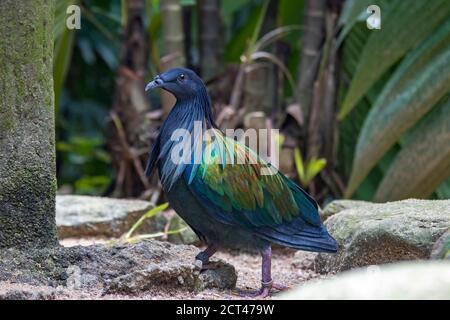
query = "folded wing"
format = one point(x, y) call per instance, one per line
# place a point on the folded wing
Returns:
point(237, 187)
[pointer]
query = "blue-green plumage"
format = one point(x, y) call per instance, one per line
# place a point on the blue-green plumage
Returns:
point(227, 202)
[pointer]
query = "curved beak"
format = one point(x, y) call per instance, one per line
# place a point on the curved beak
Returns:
point(158, 82)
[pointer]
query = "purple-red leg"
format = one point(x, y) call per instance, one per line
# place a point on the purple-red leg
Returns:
point(266, 280)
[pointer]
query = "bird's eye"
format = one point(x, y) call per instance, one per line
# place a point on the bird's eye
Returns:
point(181, 77)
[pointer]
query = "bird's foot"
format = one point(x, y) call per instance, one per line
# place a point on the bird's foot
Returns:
point(265, 291)
point(200, 265)
point(202, 259)
point(280, 287)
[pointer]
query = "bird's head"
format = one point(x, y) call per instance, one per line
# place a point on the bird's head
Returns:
point(181, 82)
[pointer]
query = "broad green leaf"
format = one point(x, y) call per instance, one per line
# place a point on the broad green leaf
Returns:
point(258, 27)
point(354, 11)
point(237, 45)
point(230, 7)
point(299, 164)
point(420, 81)
point(424, 161)
point(307, 171)
point(91, 184)
point(290, 12)
point(404, 25)
point(314, 167)
point(60, 17)
point(61, 61)
point(351, 126)
point(352, 48)
point(123, 13)
point(188, 3)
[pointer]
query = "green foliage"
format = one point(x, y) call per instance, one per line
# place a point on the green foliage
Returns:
point(355, 11)
point(424, 160)
point(418, 83)
point(240, 41)
point(307, 170)
point(128, 237)
point(84, 159)
point(388, 105)
point(63, 47)
point(84, 70)
point(63, 55)
point(405, 24)
point(391, 83)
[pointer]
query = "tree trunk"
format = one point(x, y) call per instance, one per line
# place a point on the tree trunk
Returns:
point(27, 137)
point(211, 38)
point(310, 54)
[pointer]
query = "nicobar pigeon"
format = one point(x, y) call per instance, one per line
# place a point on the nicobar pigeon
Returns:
point(228, 203)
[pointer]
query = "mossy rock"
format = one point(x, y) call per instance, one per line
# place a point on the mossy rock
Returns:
point(337, 206)
point(384, 233)
point(115, 269)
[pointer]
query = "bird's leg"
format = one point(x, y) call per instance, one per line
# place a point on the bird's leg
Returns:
point(266, 273)
point(266, 280)
point(202, 259)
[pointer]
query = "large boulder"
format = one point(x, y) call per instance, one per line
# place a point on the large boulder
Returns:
point(383, 233)
point(405, 280)
point(86, 216)
point(337, 206)
point(123, 269)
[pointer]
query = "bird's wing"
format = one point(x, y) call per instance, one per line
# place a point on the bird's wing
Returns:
point(237, 191)
point(153, 157)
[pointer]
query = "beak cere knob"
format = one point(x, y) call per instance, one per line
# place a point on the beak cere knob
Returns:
point(156, 83)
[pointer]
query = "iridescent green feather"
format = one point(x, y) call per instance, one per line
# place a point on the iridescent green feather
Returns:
point(240, 186)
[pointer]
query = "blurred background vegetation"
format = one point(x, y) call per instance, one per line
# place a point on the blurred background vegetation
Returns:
point(363, 113)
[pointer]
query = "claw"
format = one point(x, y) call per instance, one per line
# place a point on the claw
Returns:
point(262, 293)
point(265, 291)
point(198, 264)
point(280, 287)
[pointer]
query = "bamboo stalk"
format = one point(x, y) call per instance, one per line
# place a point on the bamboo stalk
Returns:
point(322, 125)
point(173, 38)
point(211, 38)
point(310, 53)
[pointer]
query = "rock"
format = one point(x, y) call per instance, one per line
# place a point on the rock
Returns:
point(174, 275)
point(383, 233)
point(405, 280)
point(125, 269)
point(86, 216)
point(441, 249)
point(341, 205)
point(304, 260)
point(27, 294)
point(21, 291)
point(73, 280)
point(221, 275)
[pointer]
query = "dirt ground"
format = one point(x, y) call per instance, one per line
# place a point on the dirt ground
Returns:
point(286, 269)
